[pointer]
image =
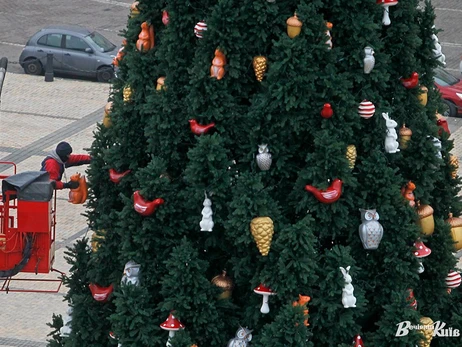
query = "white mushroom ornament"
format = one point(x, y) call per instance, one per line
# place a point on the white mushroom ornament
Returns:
point(421, 251)
point(171, 324)
point(386, 11)
point(266, 292)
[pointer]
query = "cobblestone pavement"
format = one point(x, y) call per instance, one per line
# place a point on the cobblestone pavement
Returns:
point(35, 116)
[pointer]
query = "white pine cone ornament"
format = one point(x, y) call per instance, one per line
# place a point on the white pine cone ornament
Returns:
point(264, 158)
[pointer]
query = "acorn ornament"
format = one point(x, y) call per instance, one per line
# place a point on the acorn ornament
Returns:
point(134, 11)
point(423, 96)
point(160, 83)
point(107, 122)
point(426, 221)
point(294, 26)
point(405, 135)
point(454, 162)
point(264, 158)
point(351, 156)
point(262, 230)
point(225, 283)
point(259, 66)
point(456, 231)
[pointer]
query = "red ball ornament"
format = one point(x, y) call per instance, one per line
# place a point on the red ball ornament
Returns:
point(411, 82)
point(366, 109)
point(328, 196)
point(453, 279)
point(200, 28)
point(327, 111)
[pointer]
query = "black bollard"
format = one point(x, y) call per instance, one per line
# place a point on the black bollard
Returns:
point(3, 66)
point(49, 68)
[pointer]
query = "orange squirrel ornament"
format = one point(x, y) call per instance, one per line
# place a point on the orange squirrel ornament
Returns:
point(217, 69)
point(303, 301)
point(79, 194)
point(120, 54)
point(145, 40)
point(408, 193)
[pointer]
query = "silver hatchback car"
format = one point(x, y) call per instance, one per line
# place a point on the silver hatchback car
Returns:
point(76, 50)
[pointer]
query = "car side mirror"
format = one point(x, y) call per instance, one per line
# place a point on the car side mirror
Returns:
point(88, 50)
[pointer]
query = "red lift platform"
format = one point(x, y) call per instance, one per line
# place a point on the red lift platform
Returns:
point(27, 228)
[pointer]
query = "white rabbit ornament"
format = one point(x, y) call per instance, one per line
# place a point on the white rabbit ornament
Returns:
point(348, 299)
point(391, 140)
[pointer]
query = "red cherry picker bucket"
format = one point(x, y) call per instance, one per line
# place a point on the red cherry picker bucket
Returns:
point(27, 230)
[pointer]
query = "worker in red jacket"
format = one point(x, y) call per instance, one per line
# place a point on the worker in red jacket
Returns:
point(60, 158)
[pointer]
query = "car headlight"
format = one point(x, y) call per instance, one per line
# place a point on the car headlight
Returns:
point(459, 95)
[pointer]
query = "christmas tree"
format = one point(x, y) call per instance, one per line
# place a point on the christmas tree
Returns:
point(270, 173)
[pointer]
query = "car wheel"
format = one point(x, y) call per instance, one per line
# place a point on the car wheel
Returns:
point(33, 67)
point(450, 109)
point(105, 74)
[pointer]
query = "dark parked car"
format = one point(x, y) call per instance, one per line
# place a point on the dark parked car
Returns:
point(76, 50)
point(450, 88)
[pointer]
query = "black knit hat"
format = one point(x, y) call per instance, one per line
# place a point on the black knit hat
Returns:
point(63, 150)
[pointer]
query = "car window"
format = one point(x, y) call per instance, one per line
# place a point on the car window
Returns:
point(103, 43)
point(444, 78)
point(52, 40)
point(75, 43)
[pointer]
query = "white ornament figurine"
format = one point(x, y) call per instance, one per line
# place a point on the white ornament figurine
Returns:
point(242, 339)
point(391, 140)
point(131, 273)
point(66, 329)
point(437, 51)
point(206, 223)
point(369, 60)
point(348, 299)
point(264, 158)
point(438, 146)
point(370, 230)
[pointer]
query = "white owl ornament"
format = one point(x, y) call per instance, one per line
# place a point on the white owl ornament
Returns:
point(369, 60)
point(370, 230)
point(264, 158)
point(242, 339)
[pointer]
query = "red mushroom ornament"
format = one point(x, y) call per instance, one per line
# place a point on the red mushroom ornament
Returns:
point(199, 129)
point(115, 176)
point(411, 82)
point(171, 324)
point(421, 251)
point(358, 341)
point(327, 111)
point(99, 293)
point(144, 207)
point(266, 292)
point(386, 11)
point(328, 196)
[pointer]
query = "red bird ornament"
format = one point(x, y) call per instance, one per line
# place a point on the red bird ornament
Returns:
point(100, 293)
point(115, 176)
point(328, 196)
point(411, 82)
point(199, 129)
point(144, 207)
point(165, 17)
point(327, 111)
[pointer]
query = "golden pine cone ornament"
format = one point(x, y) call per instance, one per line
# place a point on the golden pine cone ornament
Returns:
point(262, 230)
point(427, 331)
point(351, 155)
point(127, 93)
point(259, 66)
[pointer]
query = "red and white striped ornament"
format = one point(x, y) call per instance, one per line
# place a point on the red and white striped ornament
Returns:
point(200, 28)
point(453, 279)
point(366, 109)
